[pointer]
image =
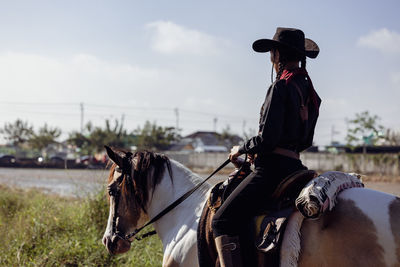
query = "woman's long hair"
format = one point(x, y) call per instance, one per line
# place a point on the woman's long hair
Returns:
point(288, 55)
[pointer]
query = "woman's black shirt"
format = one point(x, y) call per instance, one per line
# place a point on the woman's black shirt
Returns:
point(280, 122)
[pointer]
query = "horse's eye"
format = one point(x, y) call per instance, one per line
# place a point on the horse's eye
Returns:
point(112, 190)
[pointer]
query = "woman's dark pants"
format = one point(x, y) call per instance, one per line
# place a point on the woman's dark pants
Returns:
point(250, 198)
point(253, 194)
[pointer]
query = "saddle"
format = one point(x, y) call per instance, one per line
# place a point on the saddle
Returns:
point(221, 191)
point(283, 196)
point(270, 226)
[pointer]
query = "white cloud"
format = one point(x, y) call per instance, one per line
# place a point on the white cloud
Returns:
point(170, 38)
point(384, 40)
point(31, 77)
point(395, 77)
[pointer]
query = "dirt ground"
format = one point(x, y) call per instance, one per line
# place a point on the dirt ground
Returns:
point(388, 184)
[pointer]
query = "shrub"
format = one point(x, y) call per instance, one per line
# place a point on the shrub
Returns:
point(43, 230)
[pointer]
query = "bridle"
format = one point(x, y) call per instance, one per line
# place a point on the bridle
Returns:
point(114, 190)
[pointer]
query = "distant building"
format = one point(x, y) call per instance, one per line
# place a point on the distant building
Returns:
point(203, 141)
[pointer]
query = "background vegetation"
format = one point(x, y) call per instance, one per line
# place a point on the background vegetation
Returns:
point(43, 230)
point(28, 142)
point(363, 130)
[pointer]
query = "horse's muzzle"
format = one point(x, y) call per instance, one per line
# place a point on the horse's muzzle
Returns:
point(116, 245)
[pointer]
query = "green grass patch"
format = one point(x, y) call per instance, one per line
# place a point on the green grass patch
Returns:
point(42, 230)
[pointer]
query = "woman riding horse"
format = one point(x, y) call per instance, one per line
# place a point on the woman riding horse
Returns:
point(286, 127)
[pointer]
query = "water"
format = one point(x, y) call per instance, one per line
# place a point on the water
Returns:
point(55, 181)
point(76, 183)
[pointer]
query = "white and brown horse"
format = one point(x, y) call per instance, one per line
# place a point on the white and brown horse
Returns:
point(362, 230)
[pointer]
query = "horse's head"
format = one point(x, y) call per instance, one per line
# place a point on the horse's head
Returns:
point(132, 179)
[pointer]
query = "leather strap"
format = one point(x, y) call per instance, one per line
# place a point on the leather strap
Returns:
point(174, 204)
point(286, 152)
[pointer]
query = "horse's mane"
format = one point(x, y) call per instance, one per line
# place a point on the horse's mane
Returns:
point(146, 171)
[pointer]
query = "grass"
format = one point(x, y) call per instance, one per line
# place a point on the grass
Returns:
point(42, 230)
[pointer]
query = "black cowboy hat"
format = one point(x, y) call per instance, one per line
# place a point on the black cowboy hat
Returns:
point(289, 38)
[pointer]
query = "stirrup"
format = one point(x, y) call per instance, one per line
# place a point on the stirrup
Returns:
point(229, 253)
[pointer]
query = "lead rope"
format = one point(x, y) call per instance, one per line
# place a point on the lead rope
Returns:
point(172, 206)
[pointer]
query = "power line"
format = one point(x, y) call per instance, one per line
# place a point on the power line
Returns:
point(40, 103)
point(92, 105)
point(72, 112)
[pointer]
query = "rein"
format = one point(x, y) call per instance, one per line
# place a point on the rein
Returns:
point(115, 191)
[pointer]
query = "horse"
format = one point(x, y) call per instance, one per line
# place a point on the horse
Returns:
point(362, 230)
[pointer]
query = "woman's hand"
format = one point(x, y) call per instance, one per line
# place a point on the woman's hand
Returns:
point(234, 154)
point(251, 158)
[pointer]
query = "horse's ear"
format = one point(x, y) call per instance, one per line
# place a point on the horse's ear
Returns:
point(116, 156)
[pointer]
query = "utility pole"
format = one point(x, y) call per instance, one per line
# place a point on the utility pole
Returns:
point(122, 118)
point(82, 112)
point(333, 133)
point(177, 120)
point(215, 124)
point(122, 122)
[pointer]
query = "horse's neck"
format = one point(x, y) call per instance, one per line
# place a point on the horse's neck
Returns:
point(183, 218)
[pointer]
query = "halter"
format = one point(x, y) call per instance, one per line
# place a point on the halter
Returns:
point(114, 190)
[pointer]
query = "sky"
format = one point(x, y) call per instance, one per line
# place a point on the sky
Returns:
point(190, 63)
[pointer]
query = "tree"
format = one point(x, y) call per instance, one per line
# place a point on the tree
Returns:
point(155, 137)
point(228, 138)
point(82, 141)
point(112, 135)
point(44, 137)
point(150, 137)
point(364, 130)
point(93, 139)
point(17, 133)
point(79, 140)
